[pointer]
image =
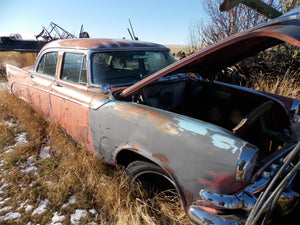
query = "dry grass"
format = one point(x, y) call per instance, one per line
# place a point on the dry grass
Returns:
point(19, 59)
point(288, 85)
point(71, 171)
point(177, 48)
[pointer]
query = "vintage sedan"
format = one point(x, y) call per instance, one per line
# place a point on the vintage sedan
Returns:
point(230, 152)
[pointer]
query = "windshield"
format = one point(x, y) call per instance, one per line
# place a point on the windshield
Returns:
point(123, 67)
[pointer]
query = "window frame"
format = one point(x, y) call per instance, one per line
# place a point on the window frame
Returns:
point(42, 59)
point(83, 64)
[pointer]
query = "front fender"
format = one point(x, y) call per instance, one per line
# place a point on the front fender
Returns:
point(196, 154)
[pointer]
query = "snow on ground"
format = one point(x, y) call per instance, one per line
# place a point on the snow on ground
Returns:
point(42, 207)
point(78, 215)
point(56, 219)
point(72, 200)
point(45, 153)
point(8, 214)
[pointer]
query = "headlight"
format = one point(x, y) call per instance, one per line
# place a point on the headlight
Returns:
point(246, 163)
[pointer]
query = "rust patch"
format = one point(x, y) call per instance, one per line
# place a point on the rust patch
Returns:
point(189, 198)
point(137, 146)
point(222, 182)
point(138, 135)
point(165, 161)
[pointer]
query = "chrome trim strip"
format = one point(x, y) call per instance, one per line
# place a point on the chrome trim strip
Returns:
point(100, 103)
point(29, 85)
point(94, 107)
point(71, 100)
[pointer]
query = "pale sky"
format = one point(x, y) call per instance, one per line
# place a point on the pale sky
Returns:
point(160, 21)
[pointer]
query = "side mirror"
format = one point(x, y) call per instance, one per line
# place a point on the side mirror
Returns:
point(105, 88)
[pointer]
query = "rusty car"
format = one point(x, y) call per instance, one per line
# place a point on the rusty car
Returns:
point(230, 152)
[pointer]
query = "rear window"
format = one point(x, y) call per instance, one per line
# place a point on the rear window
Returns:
point(47, 65)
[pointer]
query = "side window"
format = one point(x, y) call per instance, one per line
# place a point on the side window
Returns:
point(74, 68)
point(47, 65)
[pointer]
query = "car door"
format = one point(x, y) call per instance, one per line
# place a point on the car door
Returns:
point(40, 80)
point(70, 99)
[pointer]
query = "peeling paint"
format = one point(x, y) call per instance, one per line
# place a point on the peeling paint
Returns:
point(165, 161)
point(226, 143)
point(136, 112)
point(187, 124)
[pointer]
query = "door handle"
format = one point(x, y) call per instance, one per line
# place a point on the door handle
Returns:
point(57, 84)
point(31, 76)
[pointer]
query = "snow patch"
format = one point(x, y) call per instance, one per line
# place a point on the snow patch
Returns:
point(42, 207)
point(21, 139)
point(78, 215)
point(45, 153)
point(10, 123)
point(28, 208)
point(72, 200)
point(4, 201)
point(94, 213)
point(30, 166)
point(6, 208)
point(56, 219)
point(10, 216)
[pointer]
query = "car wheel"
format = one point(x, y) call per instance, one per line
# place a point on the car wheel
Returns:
point(152, 177)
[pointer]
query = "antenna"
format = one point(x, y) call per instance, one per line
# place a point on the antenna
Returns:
point(130, 34)
point(133, 37)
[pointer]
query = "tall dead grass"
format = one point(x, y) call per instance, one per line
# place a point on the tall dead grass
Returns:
point(73, 171)
point(19, 59)
point(288, 85)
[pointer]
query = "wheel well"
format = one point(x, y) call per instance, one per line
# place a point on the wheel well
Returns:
point(127, 156)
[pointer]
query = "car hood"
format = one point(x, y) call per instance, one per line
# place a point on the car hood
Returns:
point(226, 52)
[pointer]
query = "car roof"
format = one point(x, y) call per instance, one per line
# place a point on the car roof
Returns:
point(102, 43)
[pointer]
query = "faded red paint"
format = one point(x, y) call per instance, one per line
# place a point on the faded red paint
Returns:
point(138, 135)
point(165, 161)
point(134, 112)
point(137, 146)
point(222, 182)
point(102, 43)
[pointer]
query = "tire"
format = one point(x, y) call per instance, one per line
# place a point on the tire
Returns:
point(152, 177)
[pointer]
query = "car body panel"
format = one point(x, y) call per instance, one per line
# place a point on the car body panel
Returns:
point(145, 129)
